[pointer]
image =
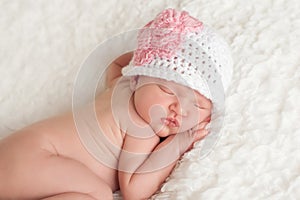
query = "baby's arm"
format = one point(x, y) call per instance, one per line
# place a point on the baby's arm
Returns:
point(114, 69)
point(141, 172)
point(134, 185)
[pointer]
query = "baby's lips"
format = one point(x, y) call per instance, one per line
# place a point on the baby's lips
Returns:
point(170, 122)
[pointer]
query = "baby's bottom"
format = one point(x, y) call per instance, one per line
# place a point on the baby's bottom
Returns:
point(44, 175)
point(65, 178)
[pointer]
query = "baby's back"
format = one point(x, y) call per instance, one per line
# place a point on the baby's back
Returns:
point(22, 154)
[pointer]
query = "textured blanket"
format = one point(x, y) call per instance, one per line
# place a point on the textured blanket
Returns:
point(43, 43)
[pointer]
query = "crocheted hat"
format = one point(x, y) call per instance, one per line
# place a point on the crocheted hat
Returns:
point(177, 47)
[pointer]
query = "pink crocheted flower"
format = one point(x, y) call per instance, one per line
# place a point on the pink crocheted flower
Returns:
point(162, 36)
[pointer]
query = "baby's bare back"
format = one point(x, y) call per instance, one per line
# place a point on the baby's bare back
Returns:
point(48, 158)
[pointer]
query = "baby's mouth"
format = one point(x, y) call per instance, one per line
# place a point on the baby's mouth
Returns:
point(171, 122)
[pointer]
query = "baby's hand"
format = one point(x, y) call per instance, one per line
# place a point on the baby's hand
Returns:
point(188, 138)
point(175, 145)
point(199, 131)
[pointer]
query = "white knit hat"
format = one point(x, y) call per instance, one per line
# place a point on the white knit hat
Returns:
point(177, 47)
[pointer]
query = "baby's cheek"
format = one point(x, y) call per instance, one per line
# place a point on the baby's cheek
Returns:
point(142, 108)
point(156, 112)
point(194, 118)
point(197, 115)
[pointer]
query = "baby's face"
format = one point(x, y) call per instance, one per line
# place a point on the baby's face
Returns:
point(168, 107)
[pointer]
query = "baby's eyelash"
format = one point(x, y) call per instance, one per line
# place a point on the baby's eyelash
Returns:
point(166, 90)
point(198, 106)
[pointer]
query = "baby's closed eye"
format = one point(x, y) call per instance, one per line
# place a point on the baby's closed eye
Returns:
point(199, 106)
point(166, 90)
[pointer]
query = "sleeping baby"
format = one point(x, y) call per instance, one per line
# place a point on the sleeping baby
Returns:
point(157, 104)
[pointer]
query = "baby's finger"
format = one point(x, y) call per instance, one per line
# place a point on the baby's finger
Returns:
point(200, 126)
point(200, 134)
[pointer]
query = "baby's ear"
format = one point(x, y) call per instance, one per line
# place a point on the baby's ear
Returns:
point(133, 83)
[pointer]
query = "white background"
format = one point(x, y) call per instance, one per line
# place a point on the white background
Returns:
point(43, 43)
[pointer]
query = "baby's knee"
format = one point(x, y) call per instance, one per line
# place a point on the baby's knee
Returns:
point(103, 196)
point(102, 193)
point(70, 196)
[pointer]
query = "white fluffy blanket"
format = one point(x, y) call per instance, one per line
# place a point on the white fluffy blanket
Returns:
point(43, 43)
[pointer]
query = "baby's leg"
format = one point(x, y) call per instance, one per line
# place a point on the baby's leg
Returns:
point(59, 176)
point(70, 196)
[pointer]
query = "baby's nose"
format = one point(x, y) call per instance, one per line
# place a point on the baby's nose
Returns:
point(179, 109)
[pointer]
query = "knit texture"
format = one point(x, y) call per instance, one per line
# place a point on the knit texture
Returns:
point(177, 47)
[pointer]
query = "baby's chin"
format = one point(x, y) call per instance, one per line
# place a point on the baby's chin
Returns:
point(165, 131)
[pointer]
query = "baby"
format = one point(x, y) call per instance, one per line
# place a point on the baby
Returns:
point(152, 111)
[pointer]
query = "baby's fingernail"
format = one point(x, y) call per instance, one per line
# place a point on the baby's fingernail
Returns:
point(208, 126)
point(202, 125)
point(206, 132)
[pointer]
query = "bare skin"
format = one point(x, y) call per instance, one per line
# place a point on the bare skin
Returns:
point(48, 158)
point(48, 161)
